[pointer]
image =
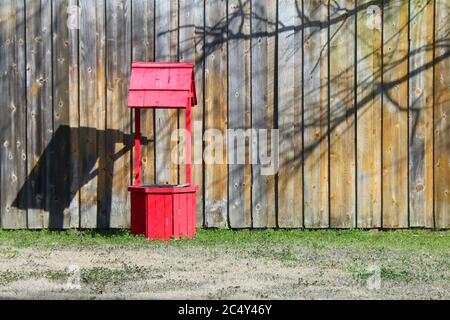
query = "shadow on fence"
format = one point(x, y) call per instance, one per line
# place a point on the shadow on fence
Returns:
point(49, 187)
point(56, 179)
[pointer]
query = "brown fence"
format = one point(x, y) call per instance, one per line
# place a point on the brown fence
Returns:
point(359, 91)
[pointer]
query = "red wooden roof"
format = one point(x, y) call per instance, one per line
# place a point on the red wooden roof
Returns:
point(161, 85)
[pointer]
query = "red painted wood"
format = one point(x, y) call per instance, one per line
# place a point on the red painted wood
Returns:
point(137, 213)
point(176, 215)
point(161, 85)
point(167, 99)
point(137, 147)
point(161, 79)
point(183, 220)
point(151, 217)
point(177, 65)
point(160, 214)
point(189, 215)
point(193, 214)
point(168, 217)
point(143, 189)
point(163, 216)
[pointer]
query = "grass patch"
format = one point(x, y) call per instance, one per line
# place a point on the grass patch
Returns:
point(390, 274)
point(10, 253)
point(96, 278)
point(383, 273)
point(7, 277)
point(289, 259)
point(99, 277)
point(317, 239)
point(10, 276)
point(72, 237)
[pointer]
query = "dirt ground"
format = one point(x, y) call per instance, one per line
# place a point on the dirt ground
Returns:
point(254, 271)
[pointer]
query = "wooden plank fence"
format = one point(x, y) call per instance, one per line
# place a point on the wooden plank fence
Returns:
point(358, 91)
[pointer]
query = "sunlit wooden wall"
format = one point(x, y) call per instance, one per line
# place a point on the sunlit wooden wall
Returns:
point(358, 89)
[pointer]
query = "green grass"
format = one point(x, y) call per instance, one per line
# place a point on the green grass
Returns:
point(319, 239)
point(97, 277)
point(100, 277)
point(338, 257)
point(385, 274)
point(9, 276)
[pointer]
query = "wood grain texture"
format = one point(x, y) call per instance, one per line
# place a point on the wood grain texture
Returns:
point(74, 118)
point(13, 215)
point(92, 114)
point(63, 58)
point(191, 41)
point(290, 200)
point(118, 141)
point(263, 106)
point(316, 179)
point(342, 114)
point(395, 114)
point(442, 115)
point(421, 113)
point(261, 64)
point(215, 116)
point(239, 114)
point(142, 46)
point(369, 109)
point(39, 111)
point(166, 121)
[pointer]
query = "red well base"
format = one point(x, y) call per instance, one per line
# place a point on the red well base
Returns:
point(163, 212)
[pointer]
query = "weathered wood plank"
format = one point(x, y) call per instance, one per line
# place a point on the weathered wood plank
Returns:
point(64, 18)
point(421, 114)
point(290, 202)
point(442, 115)
point(74, 116)
point(142, 46)
point(239, 112)
point(118, 142)
point(166, 121)
point(315, 90)
point(368, 105)
point(191, 42)
point(47, 180)
point(92, 112)
point(176, 171)
point(342, 114)
point(215, 116)
point(263, 106)
point(39, 110)
point(13, 210)
point(395, 115)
